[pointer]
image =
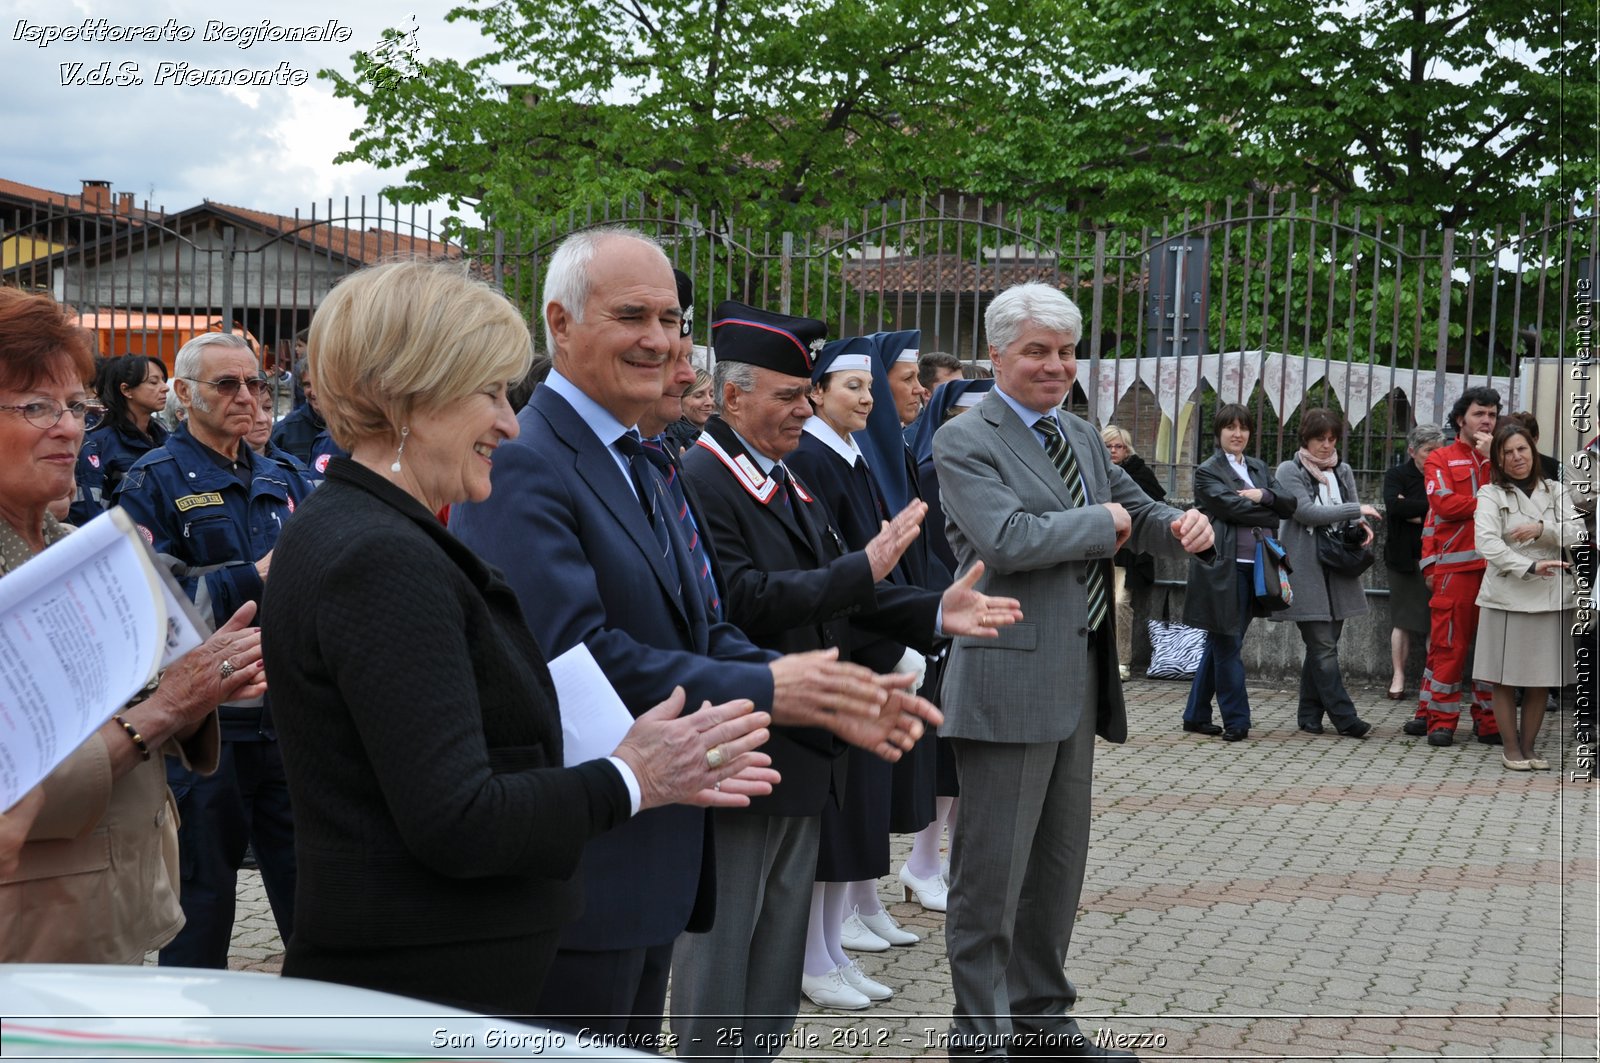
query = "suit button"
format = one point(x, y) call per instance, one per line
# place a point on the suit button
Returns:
point(1081, 580)
point(1083, 631)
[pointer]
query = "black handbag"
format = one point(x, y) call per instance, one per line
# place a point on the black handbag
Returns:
point(1339, 548)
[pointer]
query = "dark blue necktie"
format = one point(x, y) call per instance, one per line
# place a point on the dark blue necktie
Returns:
point(658, 452)
point(652, 496)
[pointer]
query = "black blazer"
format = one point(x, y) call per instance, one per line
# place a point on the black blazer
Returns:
point(1212, 600)
point(792, 588)
point(420, 732)
point(1403, 546)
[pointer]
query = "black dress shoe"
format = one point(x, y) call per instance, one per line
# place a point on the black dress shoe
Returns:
point(1359, 729)
point(1235, 736)
point(1311, 728)
point(1444, 736)
point(1201, 728)
point(1416, 727)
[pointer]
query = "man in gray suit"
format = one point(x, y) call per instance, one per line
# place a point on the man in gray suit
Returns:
point(1029, 490)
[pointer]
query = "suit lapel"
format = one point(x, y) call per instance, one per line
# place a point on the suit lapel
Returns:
point(596, 468)
point(1025, 444)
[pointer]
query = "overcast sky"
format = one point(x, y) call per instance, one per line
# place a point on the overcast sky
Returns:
point(268, 148)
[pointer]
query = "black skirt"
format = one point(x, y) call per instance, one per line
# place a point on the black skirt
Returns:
point(855, 838)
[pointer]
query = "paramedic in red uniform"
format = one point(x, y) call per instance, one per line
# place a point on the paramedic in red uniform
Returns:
point(1453, 569)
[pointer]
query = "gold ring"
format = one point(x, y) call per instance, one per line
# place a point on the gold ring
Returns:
point(714, 758)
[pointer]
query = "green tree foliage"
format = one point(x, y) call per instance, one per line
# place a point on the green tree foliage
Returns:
point(793, 115)
point(1426, 111)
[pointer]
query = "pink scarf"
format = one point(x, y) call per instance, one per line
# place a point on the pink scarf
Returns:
point(1318, 469)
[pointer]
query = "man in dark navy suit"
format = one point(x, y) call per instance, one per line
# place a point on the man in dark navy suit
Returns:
point(578, 526)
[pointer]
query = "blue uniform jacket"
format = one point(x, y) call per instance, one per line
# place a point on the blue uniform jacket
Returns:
point(298, 431)
point(574, 543)
point(107, 454)
point(208, 528)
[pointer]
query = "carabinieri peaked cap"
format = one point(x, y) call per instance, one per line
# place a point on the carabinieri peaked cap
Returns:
point(784, 344)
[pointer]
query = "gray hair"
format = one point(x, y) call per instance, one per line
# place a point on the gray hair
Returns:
point(741, 375)
point(187, 363)
point(1025, 304)
point(567, 281)
point(1424, 435)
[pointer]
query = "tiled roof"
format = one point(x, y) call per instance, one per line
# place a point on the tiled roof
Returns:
point(58, 202)
point(364, 246)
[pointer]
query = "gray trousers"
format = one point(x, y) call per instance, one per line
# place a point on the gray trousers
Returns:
point(1016, 868)
point(736, 989)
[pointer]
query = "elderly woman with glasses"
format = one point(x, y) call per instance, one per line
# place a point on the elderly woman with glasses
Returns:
point(96, 877)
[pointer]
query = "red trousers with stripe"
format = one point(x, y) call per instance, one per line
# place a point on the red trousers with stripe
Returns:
point(1453, 630)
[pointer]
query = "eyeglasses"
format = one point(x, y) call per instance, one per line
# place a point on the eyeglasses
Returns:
point(229, 386)
point(45, 413)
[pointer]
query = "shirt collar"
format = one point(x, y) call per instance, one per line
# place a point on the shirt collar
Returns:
point(590, 412)
point(843, 446)
point(1029, 417)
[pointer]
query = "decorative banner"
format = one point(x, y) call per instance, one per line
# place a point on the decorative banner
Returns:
point(1285, 379)
point(1233, 375)
point(1172, 378)
point(1360, 386)
point(1114, 377)
point(1353, 385)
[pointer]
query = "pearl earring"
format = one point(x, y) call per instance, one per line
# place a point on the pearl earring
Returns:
point(401, 452)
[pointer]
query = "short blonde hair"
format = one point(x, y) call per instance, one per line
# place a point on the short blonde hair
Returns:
point(1117, 433)
point(401, 336)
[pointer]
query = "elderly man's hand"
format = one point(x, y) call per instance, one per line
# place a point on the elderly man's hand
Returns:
point(885, 548)
point(1193, 530)
point(903, 720)
point(968, 612)
point(808, 689)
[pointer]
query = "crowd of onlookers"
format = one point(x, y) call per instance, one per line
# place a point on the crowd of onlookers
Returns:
point(830, 616)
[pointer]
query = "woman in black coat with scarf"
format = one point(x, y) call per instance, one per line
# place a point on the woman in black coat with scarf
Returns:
point(1241, 497)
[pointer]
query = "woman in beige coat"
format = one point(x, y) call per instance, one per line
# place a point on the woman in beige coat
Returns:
point(1523, 522)
point(95, 879)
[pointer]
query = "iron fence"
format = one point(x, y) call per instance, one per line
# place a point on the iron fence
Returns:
point(1283, 305)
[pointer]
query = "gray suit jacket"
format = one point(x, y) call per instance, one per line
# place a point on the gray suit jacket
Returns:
point(1005, 504)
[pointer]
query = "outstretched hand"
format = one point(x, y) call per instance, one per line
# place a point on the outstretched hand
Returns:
point(970, 612)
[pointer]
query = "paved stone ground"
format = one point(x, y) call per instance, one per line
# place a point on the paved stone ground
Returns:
point(1286, 897)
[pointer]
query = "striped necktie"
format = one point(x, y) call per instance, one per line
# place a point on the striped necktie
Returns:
point(656, 449)
point(651, 496)
point(1066, 464)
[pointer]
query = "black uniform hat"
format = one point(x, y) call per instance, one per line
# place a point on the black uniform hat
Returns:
point(784, 344)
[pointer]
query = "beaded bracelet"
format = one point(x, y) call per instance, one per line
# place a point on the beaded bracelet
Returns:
point(135, 736)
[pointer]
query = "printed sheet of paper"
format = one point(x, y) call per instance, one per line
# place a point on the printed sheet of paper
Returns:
point(83, 627)
point(593, 717)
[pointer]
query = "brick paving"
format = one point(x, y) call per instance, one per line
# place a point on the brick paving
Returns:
point(1287, 897)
